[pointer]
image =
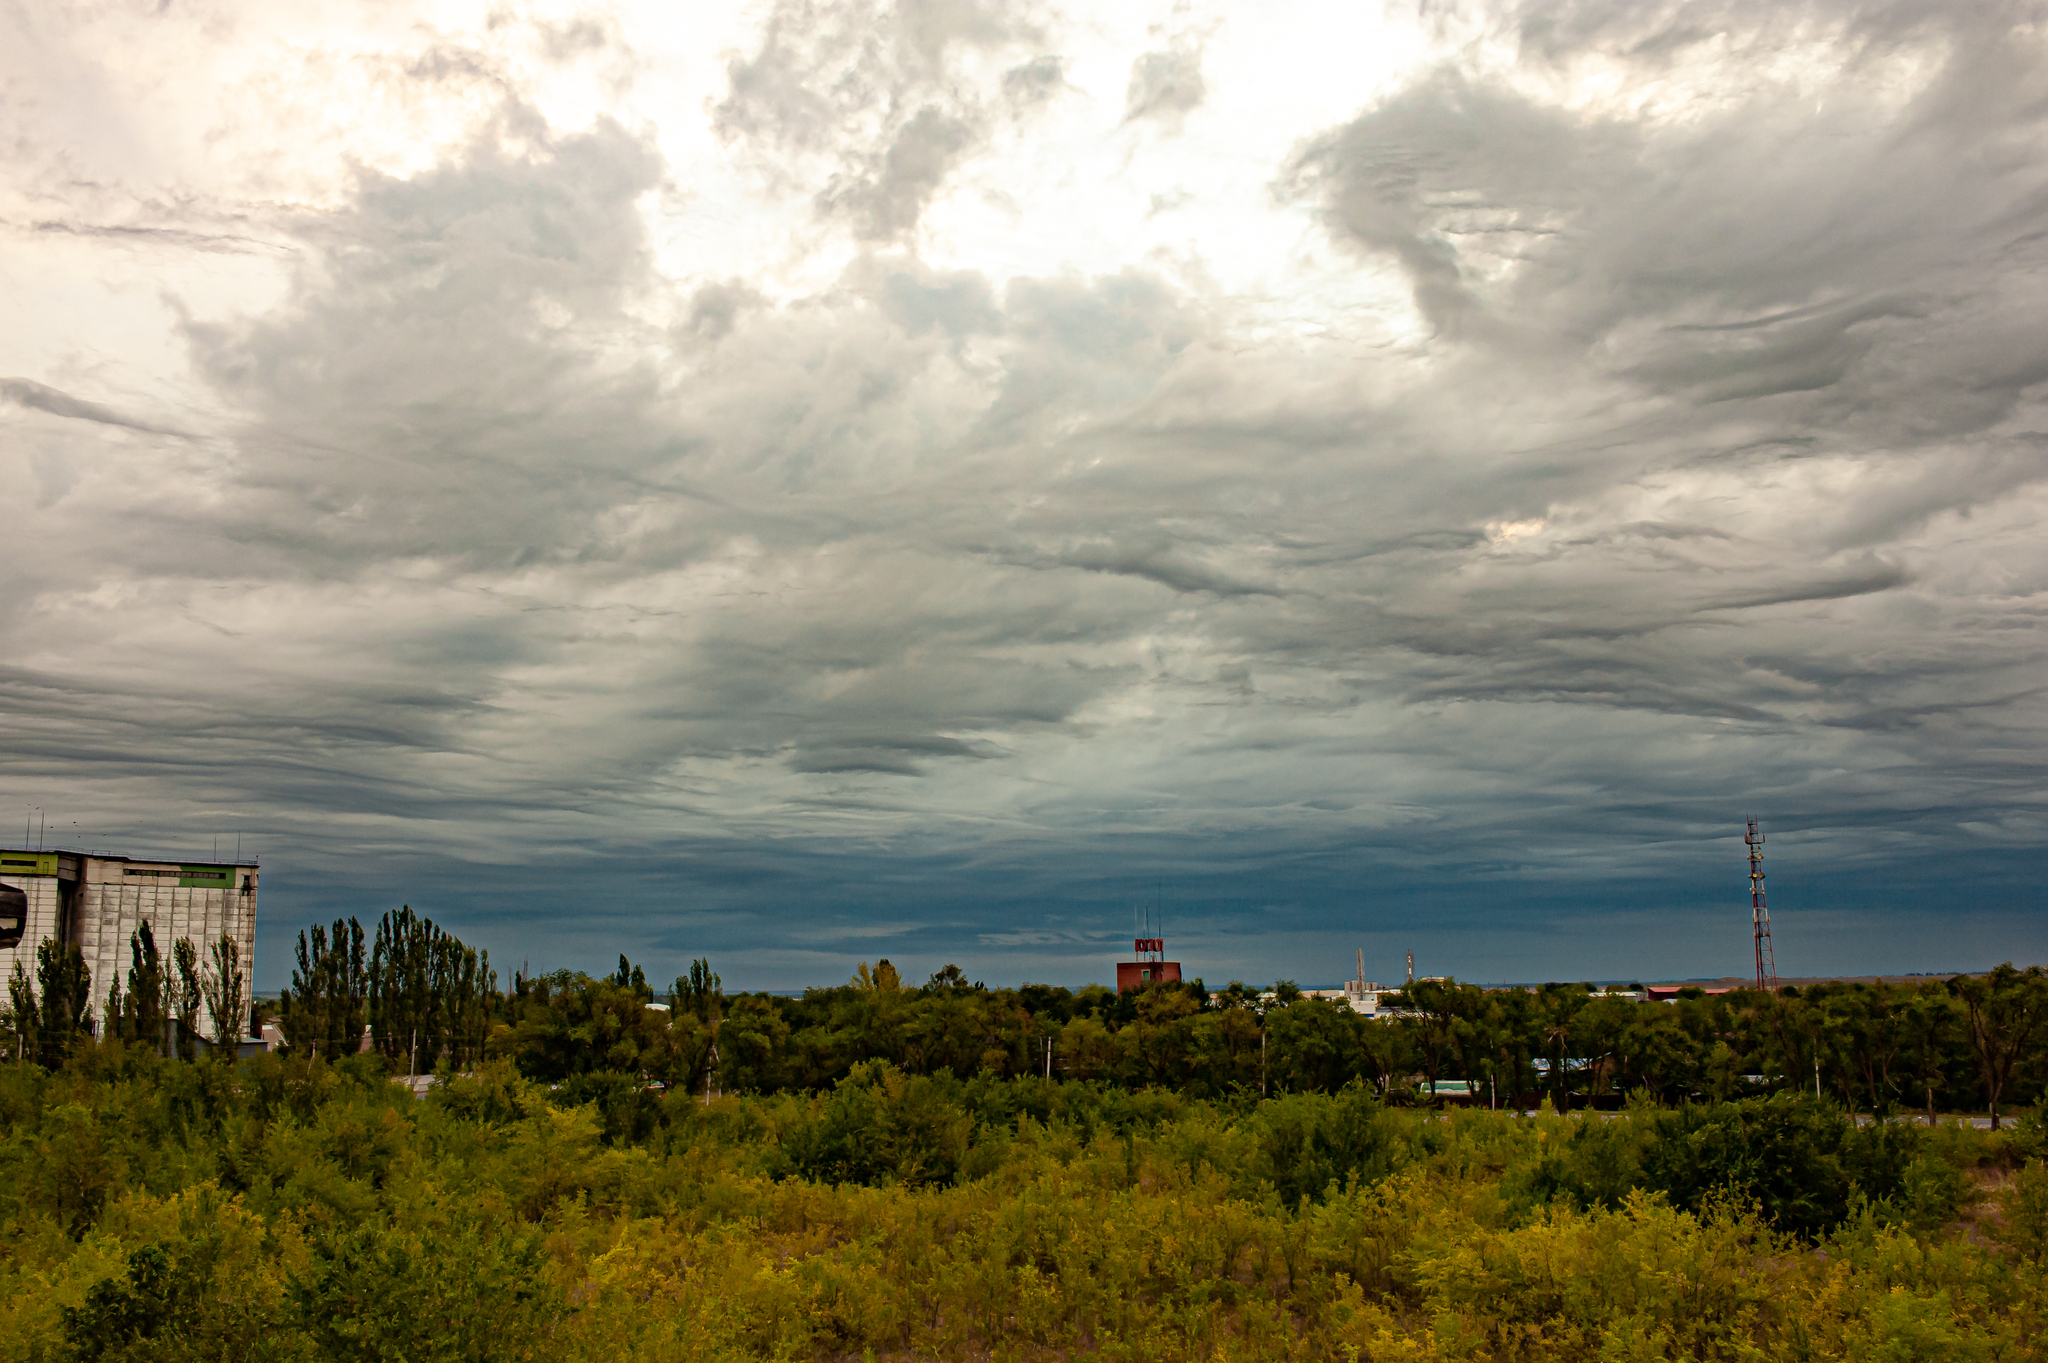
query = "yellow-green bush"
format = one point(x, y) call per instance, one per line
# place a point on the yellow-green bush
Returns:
point(293, 1210)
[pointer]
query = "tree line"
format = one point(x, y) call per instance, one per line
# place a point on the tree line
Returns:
point(158, 1002)
point(416, 994)
point(421, 999)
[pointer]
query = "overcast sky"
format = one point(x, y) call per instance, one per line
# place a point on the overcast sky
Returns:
point(805, 482)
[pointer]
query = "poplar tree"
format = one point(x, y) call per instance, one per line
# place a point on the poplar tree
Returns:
point(185, 992)
point(327, 1006)
point(50, 1012)
point(145, 1012)
point(221, 985)
point(430, 995)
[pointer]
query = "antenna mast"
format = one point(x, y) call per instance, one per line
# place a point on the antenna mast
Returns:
point(1151, 922)
point(1759, 915)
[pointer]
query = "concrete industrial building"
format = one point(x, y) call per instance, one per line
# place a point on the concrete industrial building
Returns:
point(96, 903)
point(1361, 995)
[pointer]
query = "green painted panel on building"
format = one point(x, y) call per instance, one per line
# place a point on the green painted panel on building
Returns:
point(28, 863)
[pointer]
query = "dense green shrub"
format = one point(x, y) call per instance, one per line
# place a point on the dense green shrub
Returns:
point(1308, 1145)
point(1786, 1153)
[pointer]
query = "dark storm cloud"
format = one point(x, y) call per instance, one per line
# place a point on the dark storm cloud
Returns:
point(943, 603)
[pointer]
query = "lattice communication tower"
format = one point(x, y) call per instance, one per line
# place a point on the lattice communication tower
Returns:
point(1759, 915)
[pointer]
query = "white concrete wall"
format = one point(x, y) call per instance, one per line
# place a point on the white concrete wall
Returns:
point(42, 921)
point(118, 896)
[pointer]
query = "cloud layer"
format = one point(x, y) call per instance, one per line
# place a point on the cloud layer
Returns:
point(918, 481)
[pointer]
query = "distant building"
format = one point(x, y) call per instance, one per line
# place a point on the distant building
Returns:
point(1361, 994)
point(1150, 968)
point(97, 902)
point(1671, 993)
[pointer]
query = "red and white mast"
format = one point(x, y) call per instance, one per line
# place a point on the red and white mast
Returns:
point(1759, 915)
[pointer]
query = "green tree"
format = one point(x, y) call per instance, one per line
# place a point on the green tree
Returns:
point(2005, 1008)
point(1312, 1046)
point(1154, 1047)
point(753, 1042)
point(146, 1006)
point(1433, 1024)
point(632, 977)
point(221, 985)
point(327, 1007)
point(566, 1024)
point(50, 1013)
point(1557, 1010)
point(1655, 1052)
point(430, 996)
point(1223, 1044)
point(883, 979)
point(186, 992)
point(697, 1004)
point(700, 993)
point(1786, 1152)
point(1929, 1024)
point(1871, 1028)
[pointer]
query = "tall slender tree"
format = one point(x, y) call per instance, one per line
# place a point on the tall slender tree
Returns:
point(430, 995)
point(145, 1016)
point(49, 1008)
point(697, 1003)
point(62, 1001)
point(185, 992)
point(21, 1008)
point(220, 985)
point(326, 1008)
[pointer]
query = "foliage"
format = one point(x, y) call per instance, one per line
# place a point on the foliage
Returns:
point(143, 1012)
point(430, 996)
point(284, 1207)
point(2006, 1009)
point(222, 984)
point(49, 1014)
point(328, 1004)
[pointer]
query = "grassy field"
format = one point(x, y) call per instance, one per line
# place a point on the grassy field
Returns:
point(293, 1210)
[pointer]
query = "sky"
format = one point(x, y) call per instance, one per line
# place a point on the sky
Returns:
point(811, 481)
